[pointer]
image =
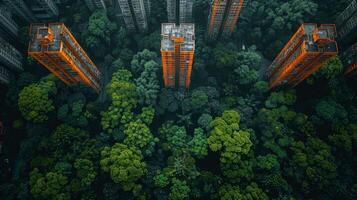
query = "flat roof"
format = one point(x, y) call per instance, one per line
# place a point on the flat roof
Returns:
point(185, 32)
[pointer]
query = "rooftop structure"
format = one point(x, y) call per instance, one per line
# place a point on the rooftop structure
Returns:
point(305, 53)
point(9, 56)
point(95, 4)
point(177, 51)
point(179, 11)
point(55, 47)
point(349, 58)
point(347, 20)
point(223, 17)
point(4, 75)
point(7, 24)
point(135, 14)
point(19, 8)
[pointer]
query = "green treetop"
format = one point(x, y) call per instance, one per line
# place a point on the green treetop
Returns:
point(125, 165)
point(34, 102)
point(228, 138)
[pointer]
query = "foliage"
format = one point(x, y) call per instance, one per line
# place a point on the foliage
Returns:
point(331, 111)
point(48, 186)
point(124, 98)
point(179, 190)
point(312, 164)
point(125, 165)
point(228, 138)
point(139, 135)
point(85, 171)
point(34, 102)
point(99, 29)
point(147, 84)
point(198, 144)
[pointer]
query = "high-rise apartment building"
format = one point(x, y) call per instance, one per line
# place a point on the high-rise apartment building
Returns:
point(179, 11)
point(349, 59)
point(9, 56)
point(223, 17)
point(55, 47)
point(10, 60)
point(8, 27)
point(20, 8)
point(44, 9)
point(4, 75)
point(95, 4)
point(347, 20)
point(177, 51)
point(135, 14)
point(309, 48)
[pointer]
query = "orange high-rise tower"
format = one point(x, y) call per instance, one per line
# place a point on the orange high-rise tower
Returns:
point(223, 17)
point(304, 54)
point(177, 51)
point(54, 46)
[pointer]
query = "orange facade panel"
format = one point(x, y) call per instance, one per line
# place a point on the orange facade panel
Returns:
point(54, 46)
point(308, 49)
point(352, 69)
point(223, 17)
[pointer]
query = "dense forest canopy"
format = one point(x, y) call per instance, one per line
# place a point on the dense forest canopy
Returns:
point(228, 137)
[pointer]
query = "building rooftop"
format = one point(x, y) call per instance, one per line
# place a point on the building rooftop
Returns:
point(184, 34)
point(39, 31)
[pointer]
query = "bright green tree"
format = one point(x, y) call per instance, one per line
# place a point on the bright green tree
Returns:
point(138, 135)
point(34, 102)
point(125, 165)
point(50, 186)
point(124, 98)
point(228, 138)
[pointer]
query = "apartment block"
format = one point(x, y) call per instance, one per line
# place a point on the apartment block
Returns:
point(347, 20)
point(95, 4)
point(177, 51)
point(135, 14)
point(4, 75)
point(8, 27)
point(223, 17)
point(54, 46)
point(349, 59)
point(44, 9)
point(179, 11)
point(20, 8)
point(307, 50)
point(9, 56)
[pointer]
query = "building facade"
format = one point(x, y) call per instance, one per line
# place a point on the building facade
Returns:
point(177, 51)
point(4, 75)
point(9, 56)
point(179, 11)
point(347, 20)
point(55, 47)
point(223, 17)
point(349, 59)
point(95, 4)
point(20, 8)
point(44, 9)
point(135, 14)
point(10, 60)
point(8, 27)
point(309, 48)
